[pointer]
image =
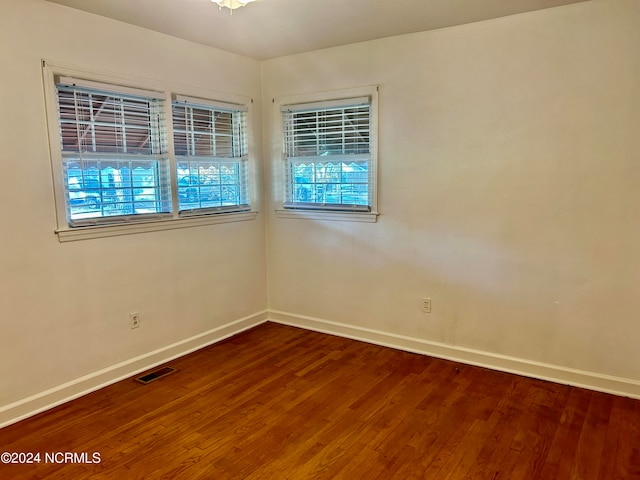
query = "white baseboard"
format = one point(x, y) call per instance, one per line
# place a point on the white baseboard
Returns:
point(543, 371)
point(53, 397)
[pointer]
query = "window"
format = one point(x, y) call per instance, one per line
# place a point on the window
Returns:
point(329, 155)
point(114, 154)
point(130, 155)
point(210, 144)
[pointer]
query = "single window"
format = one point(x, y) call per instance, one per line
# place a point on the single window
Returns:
point(210, 142)
point(114, 154)
point(329, 162)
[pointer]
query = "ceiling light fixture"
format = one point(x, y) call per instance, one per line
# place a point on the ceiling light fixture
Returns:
point(232, 4)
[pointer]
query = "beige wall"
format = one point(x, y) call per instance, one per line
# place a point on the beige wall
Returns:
point(509, 190)
point(64, 307)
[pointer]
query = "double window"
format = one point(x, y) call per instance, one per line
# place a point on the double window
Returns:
point(329, 155)
point(143, 155)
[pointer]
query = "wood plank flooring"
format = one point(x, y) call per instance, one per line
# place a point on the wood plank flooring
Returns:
point(277, 402)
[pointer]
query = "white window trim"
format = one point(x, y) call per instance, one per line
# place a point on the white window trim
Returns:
point(65, 233)
point(365, 217)
point(370, 91)
point(129, 228)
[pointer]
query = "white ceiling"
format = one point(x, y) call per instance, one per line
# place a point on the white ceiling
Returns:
point(273, 28)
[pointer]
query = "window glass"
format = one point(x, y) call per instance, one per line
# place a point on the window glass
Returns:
point(211, 157)
point(114, 157)
point(328, 155)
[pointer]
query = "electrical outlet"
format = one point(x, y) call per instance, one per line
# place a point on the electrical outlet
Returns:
point(426, 305)
point(134, 319)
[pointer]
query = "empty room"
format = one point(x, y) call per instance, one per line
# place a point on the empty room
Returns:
point(291, 239)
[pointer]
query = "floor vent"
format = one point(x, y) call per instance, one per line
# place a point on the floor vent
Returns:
point(155, 375)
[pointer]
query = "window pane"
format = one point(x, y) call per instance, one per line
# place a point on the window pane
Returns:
point(210, 184)
point(114, 159)
point(210, 146)
point(330, 183)
point(328, 156)
point(339, 131)
point(94, 122)
point(98, 188)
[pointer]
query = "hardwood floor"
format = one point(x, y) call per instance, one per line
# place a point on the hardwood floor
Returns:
point(278, 402)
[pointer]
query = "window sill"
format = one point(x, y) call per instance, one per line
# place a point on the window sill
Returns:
point(101, 231)
point(366, 217)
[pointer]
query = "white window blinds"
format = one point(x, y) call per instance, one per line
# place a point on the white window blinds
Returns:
point(114, 154)
point(328, 155)
point(210, 142)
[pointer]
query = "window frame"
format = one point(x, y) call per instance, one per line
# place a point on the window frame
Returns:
point(338, 98)
point(237, 156)
point(145, 222)
point(100, 126)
